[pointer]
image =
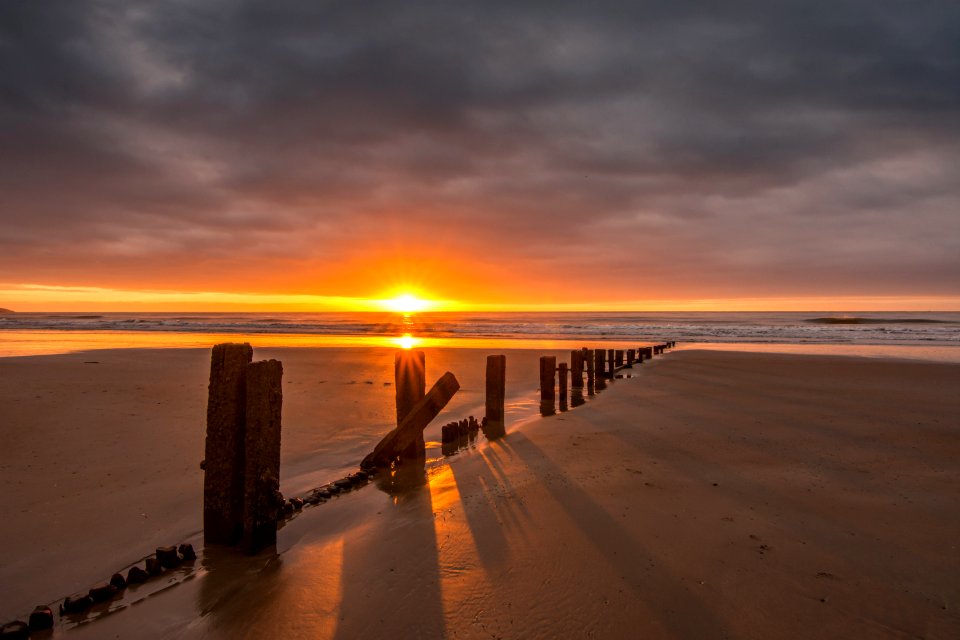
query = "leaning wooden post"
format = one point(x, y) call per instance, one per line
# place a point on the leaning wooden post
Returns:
point(548, 378)
point(562, 381)
point(576, 369)
point(598, 366)
point(223, 478)
point(262, 502)
point(410, 378)
point(496, 388)
point(400, 439)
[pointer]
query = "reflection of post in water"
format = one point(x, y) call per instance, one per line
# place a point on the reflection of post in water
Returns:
point(401, 478)
point(495, 426)
point(576, 397)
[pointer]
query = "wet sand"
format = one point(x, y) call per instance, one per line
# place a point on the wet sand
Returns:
point(712, 495)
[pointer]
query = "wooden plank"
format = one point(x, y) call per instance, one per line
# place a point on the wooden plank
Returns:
point(397, 441)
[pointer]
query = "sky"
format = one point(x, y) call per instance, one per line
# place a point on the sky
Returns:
point(606, 154)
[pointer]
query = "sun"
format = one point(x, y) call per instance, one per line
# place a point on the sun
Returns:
point(406, 303)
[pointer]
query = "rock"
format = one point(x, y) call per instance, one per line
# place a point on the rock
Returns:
point(136, 575)
point(15, 629)
point(333, 489)
point(77, 604)
point(287, 508)
point(297, 503)
point(187, 552)
point(153, 566)
point(168, 558)
point(118, 581)
point(102, 593)
point(41, 618)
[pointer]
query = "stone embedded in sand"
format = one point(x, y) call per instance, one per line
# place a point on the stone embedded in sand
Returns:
point(102, 593)
point(77, 604)
point(118, 581)
point(136, 575)
point(168, 558)
point(186, 551)
point(41, 618)
point(153, 566)
point(15, 629)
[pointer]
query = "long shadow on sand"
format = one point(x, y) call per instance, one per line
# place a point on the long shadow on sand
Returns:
point(680, 610)
point(390, 574)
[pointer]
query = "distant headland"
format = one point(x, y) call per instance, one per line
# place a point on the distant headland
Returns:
point(4, 312)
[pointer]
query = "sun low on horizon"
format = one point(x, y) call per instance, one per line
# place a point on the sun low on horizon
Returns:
point(408, 303)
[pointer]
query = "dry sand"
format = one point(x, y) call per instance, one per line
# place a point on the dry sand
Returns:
point(712, 495)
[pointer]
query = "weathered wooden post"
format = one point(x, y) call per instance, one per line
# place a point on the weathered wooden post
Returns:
point(262, 501)
point(647, 353)
point(562, 381)
point(576, 369)
point(410, 378)
point(610, 364)
point(589, 357)
point(496, 388)
point(223, 478)
point(548, 378)
point(598, 365)
point(631, 356)
point(618, 358)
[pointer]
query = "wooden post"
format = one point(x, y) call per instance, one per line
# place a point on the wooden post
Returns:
point(400, 439)
point(618, 358)
point(410, 380)
point(261, 507)
point(589, 357)
point(223, 478)
point(562, 382)
point(548, 378)
point(496, 388)
point(576, 369)
point(610, 364)
point(631, 356)
point(598, 365)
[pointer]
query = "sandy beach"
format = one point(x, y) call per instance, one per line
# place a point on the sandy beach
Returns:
point(711, 495)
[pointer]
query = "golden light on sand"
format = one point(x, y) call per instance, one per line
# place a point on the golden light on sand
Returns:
point(407, 341)
point(406, 303)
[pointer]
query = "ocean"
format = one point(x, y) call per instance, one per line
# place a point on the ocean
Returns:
point(904, 328)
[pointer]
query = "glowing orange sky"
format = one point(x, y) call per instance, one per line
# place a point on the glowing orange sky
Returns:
point(326, 158)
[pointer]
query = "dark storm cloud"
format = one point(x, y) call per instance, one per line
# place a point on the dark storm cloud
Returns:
point(764, 147)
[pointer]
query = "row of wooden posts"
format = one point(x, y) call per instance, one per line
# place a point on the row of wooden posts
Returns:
point(598, 364)
point(242, 501)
